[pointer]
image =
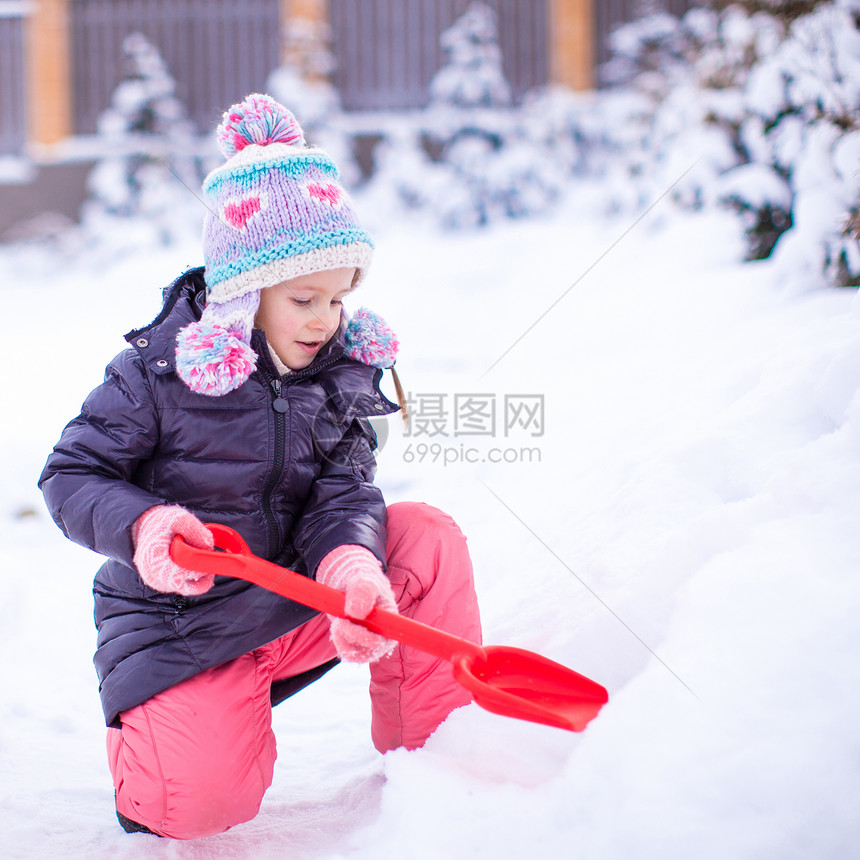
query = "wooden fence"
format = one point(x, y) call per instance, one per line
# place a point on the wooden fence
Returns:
point(217, 50)
point(13, 117)
point(220, 50)
point(388, 50)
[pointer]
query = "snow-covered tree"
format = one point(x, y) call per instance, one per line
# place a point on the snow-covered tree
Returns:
point(473, 75)
point(302, 84)
point(151, 166)
point(487, 162)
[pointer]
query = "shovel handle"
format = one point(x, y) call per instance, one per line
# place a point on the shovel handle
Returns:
point(232, 557)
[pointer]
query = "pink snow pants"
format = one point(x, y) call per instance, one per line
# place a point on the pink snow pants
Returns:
point(197, 759)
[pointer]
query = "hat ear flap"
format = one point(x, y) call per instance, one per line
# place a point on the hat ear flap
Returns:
point(214, 354)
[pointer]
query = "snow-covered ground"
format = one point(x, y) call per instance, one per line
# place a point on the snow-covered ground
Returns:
point(682, 527)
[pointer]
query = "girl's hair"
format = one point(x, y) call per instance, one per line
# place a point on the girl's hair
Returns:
point(401, 398)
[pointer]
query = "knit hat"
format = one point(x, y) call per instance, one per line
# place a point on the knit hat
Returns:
point(276, 211)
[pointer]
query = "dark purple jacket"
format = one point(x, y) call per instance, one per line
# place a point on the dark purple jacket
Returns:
point(286, 461)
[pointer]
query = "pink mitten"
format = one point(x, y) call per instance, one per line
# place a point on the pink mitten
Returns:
point(152, 534)
point(355, 571)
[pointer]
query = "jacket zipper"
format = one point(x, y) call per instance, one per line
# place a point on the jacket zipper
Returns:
point(276, 384)
point(277, 466)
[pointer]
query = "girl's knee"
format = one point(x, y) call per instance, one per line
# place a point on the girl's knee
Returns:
point(188, 779)
point(212, 811)
point(429, 566)
point(425, 544)
point(418, 519)
point(190, 810)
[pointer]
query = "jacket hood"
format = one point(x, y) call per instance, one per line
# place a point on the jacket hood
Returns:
point(346, 377)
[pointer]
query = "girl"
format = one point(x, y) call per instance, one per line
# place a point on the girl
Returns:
point(246, 402)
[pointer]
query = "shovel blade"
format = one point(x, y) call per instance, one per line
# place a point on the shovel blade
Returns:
point(525, 685)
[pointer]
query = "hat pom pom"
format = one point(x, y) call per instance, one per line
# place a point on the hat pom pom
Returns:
point(258, 119)
point(370, 340)
point(211, 359)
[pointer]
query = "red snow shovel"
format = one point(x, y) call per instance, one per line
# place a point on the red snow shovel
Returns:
point(507, 681)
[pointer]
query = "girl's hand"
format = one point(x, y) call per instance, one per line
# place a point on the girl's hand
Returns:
point(153, 533)
point(355, 571)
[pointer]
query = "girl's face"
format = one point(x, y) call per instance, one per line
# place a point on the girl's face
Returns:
point(299, 316)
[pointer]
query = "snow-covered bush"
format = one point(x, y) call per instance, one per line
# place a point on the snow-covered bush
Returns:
point(494, 173)
point(755, 106)
point(689, 72)
point(803, 120)
point(785, 10)
point(152, 167)
point(763, 200)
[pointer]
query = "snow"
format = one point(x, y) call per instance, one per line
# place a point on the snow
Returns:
point(687, 537)
point(679, 525)
point(13, 170)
